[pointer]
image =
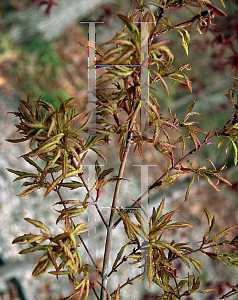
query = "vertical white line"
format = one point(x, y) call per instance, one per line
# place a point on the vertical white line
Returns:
point(144, 78)
point(91, 221)
point(92, 78)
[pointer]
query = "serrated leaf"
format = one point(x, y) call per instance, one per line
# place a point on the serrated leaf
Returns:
point(22, 238)
point(79, 230)
point(178, 226)
point(37, 224)
point(206, 290)
point(141, 221)
point(71, 185)
point(197, 263)
point(224, 232)
point(99, 153)
point(139, 231)
point(159, 211)
point(31, 162)
point(235, 150)
point(171, 248)
point(22, 175)
point(33, 249)
point(119, 255)
point(57, 180)
point(42, 267)
point(47, 146)
point(132, 27)
point(29, 190)
point(53, 161)
point(188, 189)
point(208, 217)
point(127, 225)
point(151, 269)
point(74, 119)
point(61, 272)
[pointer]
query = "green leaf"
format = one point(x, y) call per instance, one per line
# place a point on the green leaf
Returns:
point(71, 185)
point(47, 146)
point(42, 267)
point(61, 272)
point(224, 232)
point(99, 153)
point(132, 27)
point(79, 230)
point(235, 150)
point(65, 164)
point(31, 162)
point(159, 211)
point(141, 221)
point(37, 224)
point(184, 43)
point(197, 263)
point(33, 249)
point(171, 248)
point(57, 180)
point(206, 290)
point(178, 226)
point(31, 189)
point(23, 239)
point(22, 175)
point(151, 269)
point(189, 188)
point(53, 160)
point(119, 255)
point(139, 231)
point(208, 217)
point(221, 141)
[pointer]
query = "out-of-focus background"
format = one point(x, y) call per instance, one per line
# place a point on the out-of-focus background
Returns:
point(41, 54)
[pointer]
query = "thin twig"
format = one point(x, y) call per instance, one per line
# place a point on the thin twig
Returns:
point(159, 181)
point(175, 280)
point(229, 294)
point(94, 202)
point(92, 287)
point(81, 239)
point(112, 216)
point(122, 261)
point(129, 281)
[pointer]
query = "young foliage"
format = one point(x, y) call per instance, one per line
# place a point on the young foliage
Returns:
point(58, 148)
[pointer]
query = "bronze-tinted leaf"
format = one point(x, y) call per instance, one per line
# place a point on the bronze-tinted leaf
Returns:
point(37, 224)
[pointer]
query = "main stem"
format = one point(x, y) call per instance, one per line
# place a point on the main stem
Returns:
point(111, 220)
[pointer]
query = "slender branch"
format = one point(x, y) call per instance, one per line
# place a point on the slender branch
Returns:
point(94, 202)
point(159, 181)
point(129, 281)
point(229, 294)
point(122, 261)
point(92, 286)
point(112, 216)
point(81, 239)
point(175, 280)
point(206, 247)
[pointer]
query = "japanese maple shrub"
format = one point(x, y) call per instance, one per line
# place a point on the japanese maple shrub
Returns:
point(55, 140)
